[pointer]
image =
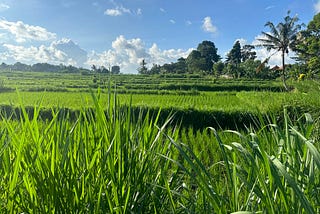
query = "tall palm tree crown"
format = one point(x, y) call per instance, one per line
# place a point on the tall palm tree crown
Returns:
point(282, 37)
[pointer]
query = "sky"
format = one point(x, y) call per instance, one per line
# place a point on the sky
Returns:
point(83, 33)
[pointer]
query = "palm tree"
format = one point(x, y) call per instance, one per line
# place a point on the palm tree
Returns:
point(281, 38)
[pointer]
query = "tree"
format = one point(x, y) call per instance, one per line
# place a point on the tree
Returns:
point(282, 37)
point(208, 51)
point(4, 66)
point(167, 68)
point(249, 68)
point(231, 70)
point(308, 47)
point(247, 53)
point(218, 68)
point(115, 69)
point(104, 70)
point(94, 68)
point(155, 69)
point(18, 66)
point(234, 56)
point(143, 67)
point(181, 66)
point(195, 62)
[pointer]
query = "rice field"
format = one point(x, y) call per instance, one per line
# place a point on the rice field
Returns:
point(120, 154)
point(116, 163)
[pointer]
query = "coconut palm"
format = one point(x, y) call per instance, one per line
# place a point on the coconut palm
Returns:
point(282, 37)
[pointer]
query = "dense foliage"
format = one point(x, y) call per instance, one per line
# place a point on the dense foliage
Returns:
point(309, 47)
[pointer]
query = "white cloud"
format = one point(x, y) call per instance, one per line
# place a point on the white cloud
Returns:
point(24, 32)
point(188, 22)
point(317, 6)
point(63, 51)
point(270, 7)
point(139, 11)
point(113, 12)
point(172, 21)
point(125, 53)
point(128, 53)
point(162, 10)
point(275, 56)
point(72, 51)
point(242, 41)
point(158, 56)
point(120, 10)
point(207, 25)
point(134, 48)
point(35, 54)
point(4, 7)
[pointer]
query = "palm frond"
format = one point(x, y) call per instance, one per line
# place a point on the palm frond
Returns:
point(273, 29)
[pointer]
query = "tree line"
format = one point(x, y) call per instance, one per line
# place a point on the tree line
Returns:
point(241, 61)
point(46, 67)
point(42, 67)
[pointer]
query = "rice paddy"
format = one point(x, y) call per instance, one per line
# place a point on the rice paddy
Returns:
point(128, 153)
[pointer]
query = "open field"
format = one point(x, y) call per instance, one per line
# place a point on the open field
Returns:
point(191, 96)
point(133, 155)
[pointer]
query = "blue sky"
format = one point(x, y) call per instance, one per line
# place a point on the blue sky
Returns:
point(123, 32)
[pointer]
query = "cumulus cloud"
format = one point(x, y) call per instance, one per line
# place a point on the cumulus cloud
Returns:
point(4, 7)
point(72, 51)
point(207, 25)
point(159, 56)
point(125, 53)
point(317, 6)
point(62, 51)
point(24, 32)
point(35, 54)
point(128, 53)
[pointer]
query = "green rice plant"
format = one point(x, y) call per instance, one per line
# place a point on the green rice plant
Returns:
point(107, 161)
point(108, 158)
point(274, 169)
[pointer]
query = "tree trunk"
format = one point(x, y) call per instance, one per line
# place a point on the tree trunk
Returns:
point(283, 71)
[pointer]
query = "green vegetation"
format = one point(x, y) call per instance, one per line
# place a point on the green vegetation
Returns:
point(282, 38)
point(172, 142)
point(109, 160)
point(197, 100)
point(308, 47)
point(158, 145)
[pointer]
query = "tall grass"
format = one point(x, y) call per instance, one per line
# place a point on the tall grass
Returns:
point(274, 169)
point(109, 160)
point(104, 162)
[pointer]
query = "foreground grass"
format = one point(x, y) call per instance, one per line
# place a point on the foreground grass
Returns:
point(113, 162)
